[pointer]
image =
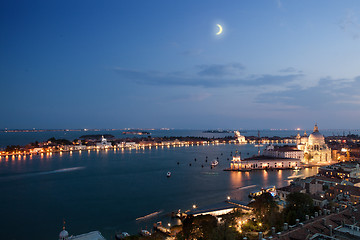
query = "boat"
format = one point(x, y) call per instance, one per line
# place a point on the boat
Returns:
point(122, 235)
point(258, 145)
point(214, 163)
point(168, 174)
point(145, 233)
point(271, 190)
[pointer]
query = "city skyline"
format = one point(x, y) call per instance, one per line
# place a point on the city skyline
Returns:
point(277, 64)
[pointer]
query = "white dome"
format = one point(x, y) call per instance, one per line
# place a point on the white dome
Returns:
point(63, 234)
point(316, 137)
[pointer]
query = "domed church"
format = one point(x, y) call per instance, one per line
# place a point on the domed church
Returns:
point(314, 147)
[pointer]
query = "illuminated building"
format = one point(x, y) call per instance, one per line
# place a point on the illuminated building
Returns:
point(315, 149)
point(284, 152)
point(239, 137)
point(263, 162)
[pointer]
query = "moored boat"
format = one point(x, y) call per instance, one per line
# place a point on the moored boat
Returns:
point(123, 235)
point(168, 174)
point(214, 163)
point(145, 233)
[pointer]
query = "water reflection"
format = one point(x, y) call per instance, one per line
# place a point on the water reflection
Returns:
point(235, 179)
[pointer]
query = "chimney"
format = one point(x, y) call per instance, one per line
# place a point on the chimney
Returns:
point(330, 229)
point(320, 212)
point(273, 231)
point(286, 226)
point(316, 214)
point(333, 209)
point(324, 221)
point(260, 236)
point(306, 217)
point(353, 219)
point(337, 210)
point(324, 211)
point(297, 221)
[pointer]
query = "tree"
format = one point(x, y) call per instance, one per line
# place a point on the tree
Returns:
point(199, 227)
point(265, 208)
point(298, 205)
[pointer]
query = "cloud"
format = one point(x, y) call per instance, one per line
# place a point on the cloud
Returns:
point(279, 4)
point(194, 97)
point(290, 70)
point(209, 76)
point(328, 93)
point(220, 70)
point(350, 24)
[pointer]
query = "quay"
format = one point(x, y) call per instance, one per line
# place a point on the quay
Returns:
point(49, 148)
point(218, 209)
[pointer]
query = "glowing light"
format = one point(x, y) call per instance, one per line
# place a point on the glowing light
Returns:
point(194, 206)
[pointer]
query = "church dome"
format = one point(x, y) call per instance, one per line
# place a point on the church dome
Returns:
point(316, 137)
point(63, 234)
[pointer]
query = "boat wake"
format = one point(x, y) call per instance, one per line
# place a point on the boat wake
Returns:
point(295, 176)
point(246, 187)
point(20, 176)
point(149, 215)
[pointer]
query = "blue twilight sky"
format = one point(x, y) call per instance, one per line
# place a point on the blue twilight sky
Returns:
point(117, 64)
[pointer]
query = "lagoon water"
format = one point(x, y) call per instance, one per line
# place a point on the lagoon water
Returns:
point(108, 190)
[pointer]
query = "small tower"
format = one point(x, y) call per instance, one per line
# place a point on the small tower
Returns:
point(316, 129)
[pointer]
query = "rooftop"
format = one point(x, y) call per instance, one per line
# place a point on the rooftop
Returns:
point(95, 235)
point(268, 158)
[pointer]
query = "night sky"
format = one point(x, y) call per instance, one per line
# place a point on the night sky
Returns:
point(153, 64)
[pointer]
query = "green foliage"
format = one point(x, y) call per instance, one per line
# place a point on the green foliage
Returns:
point(252, 226)
point(265, 209)
point(225, 231)
point(297, 206)
point(199, 227)
point(60, 141)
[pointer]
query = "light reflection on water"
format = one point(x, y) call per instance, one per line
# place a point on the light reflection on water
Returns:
point(114, 188)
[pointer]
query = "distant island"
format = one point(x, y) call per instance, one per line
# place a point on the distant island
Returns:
point(136, 133)
point(96, 136)
point(218, 131)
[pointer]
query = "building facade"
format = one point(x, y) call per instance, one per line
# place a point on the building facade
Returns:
point(263, 162)
point(315, 149)
point(284, 152)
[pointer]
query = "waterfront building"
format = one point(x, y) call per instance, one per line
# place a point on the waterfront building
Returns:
point(94, 235)
point(239, 137)
point(104, 143)
point(221, 208)
point(315, 149)
point(263, 162)
point(284, 152)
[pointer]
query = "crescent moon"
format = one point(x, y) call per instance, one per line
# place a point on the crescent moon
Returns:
point(220, 29)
